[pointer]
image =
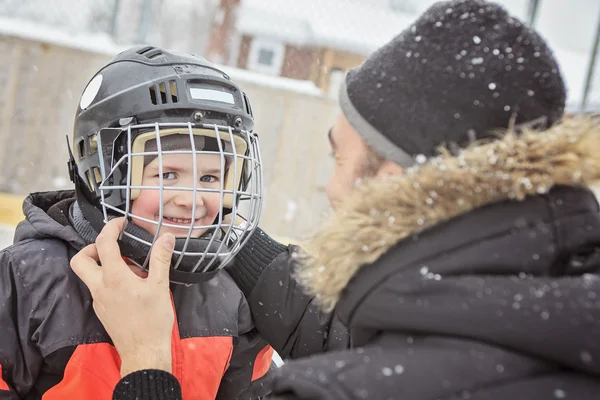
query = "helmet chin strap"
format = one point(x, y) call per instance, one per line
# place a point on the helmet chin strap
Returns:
point(137, 251)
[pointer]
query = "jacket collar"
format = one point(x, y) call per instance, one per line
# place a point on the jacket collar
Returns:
point(382, 213)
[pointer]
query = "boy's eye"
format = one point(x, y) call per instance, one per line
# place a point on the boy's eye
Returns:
point(208, 179)
point(169, 175)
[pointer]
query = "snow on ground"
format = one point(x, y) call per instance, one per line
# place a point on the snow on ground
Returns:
point(6, 235)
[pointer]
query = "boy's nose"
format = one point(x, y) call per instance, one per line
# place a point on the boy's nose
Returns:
point(186, 199)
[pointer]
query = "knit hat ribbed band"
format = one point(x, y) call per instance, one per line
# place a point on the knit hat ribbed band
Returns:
point(462, 71)
point(182, 142)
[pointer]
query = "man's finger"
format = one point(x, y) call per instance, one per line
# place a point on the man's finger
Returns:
point(108, 248)
point(160, 259)
point(85, 266)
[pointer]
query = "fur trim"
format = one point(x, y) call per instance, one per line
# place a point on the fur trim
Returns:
point(381, 213)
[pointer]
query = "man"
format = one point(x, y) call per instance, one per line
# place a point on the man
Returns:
point(465, 275)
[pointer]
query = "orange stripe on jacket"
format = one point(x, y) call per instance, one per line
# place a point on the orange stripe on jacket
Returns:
point(262, 363)
point(205, 360)
point(94, 369)
point(92, 372)
point(3, 385)
point(198, 363)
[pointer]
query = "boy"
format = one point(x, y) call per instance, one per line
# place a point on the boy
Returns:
point(162, 139)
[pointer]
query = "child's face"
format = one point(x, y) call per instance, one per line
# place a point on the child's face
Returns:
point(177, 204)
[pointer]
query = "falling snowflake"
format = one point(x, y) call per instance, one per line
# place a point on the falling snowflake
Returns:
point(560, 394)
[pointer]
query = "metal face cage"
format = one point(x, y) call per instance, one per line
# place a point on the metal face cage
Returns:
point(199, 248)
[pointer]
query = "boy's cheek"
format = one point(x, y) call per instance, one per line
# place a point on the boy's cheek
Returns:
point(146, 204)
point(213, 204)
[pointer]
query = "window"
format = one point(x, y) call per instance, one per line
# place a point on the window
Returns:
point(336, 77)
point(266, 56)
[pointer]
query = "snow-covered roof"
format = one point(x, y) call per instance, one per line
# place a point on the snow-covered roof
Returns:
point(92, 42)
point(67, 14)
point(357, 27)
point(103, 44)
point(360, 27)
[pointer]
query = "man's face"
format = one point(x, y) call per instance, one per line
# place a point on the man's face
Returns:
point(350, 153)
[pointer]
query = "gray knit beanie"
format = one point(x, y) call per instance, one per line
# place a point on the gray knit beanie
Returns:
point(463, 70)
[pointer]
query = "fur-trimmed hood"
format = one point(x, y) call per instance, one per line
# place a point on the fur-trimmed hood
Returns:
point(382, 213)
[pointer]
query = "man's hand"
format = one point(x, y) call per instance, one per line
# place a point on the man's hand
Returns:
point(136, 312)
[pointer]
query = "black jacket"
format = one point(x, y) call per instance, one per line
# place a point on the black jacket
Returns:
point(53, 345)
point(468, 278)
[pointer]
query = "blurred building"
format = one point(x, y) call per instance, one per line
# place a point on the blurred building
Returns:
point(303, 39)
point(319, 40)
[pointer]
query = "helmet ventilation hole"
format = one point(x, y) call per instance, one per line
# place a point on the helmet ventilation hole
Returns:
point(164, 93)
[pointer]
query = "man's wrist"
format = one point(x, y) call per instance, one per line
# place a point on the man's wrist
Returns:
point(254, 257)
point(150, 358)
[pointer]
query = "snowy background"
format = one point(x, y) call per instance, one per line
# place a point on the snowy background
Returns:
point(6, 235)
point(289, 56)
point(345, 25)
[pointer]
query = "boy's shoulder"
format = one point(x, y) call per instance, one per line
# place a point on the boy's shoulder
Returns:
point(55, 305)
point(34, 252)
point(45, 241)
point(40, 264)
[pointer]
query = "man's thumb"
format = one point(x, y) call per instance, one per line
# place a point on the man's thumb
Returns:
point(160, 258)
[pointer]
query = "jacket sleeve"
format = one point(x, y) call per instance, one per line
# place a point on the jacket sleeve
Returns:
point(148, 384)
point(152, 384)
point(20, 360)
point(288, 318)
point(254, 257)
point(283, 314)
